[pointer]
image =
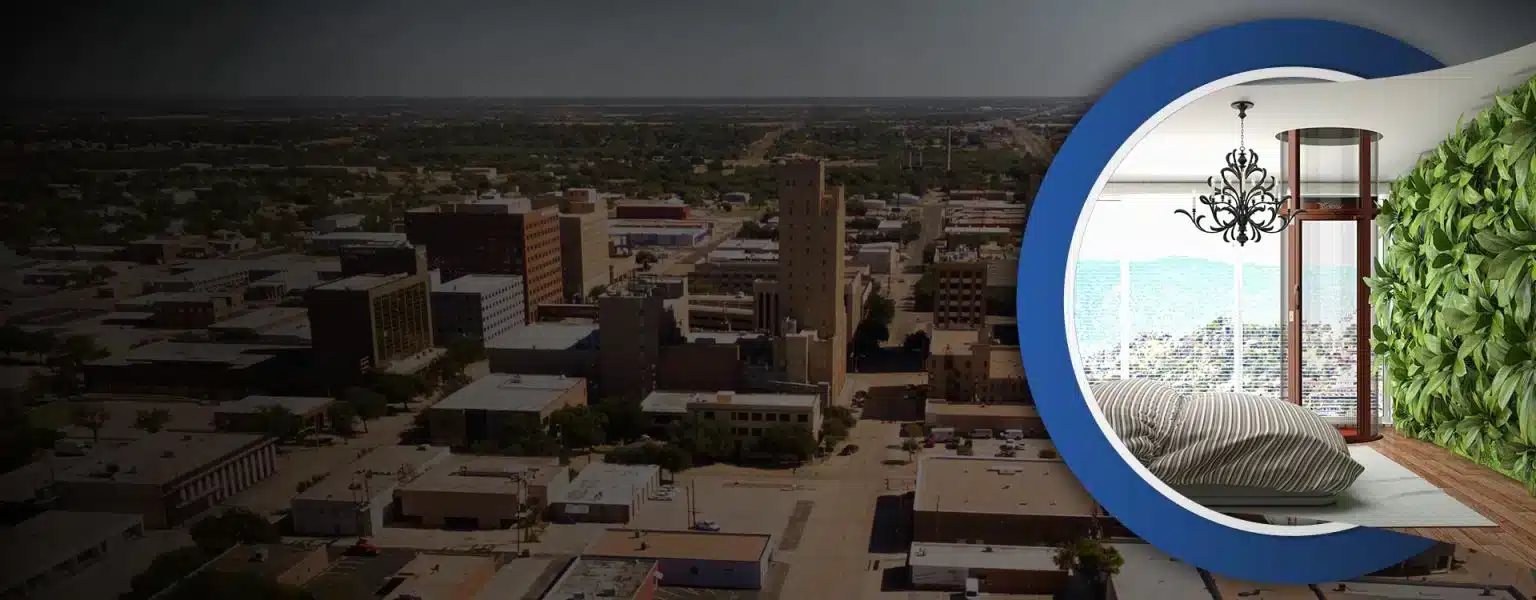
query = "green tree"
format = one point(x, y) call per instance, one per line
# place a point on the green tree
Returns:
point(705, 440)
point(280, 422)
point(911, 447)
point(399, 389)
point(89, 415)
point(841, 414)
point(916, 342)
point(153, 420)
point(166, 569)
point(578, 426)
point(788, 442)
point(217, 533)
point(624, 419)
point(342, 417)
point(1090, 559)
point(367, 404)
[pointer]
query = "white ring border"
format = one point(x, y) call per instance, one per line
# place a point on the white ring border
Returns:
point(1326, 75)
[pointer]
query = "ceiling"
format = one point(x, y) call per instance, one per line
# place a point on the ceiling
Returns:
point(1413, 113)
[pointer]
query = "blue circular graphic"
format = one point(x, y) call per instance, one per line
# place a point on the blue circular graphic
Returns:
point(1043, 269)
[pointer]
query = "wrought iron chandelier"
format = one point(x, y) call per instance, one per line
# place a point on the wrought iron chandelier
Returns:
point(1243, 207)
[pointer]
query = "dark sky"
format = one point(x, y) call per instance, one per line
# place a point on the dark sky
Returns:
point(662, 47)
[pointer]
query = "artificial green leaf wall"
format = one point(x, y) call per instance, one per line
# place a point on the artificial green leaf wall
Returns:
point(1453, 291)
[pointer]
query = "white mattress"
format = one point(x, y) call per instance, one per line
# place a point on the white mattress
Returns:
point(1385, 495)
point(1218, 496)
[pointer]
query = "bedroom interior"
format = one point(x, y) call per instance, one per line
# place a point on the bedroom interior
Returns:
point(1399, 298)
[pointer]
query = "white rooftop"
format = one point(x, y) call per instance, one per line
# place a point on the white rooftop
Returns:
point(607, 483)
point(544, 336)
point(479, 284)
point(1149, 573)
point(509, 392)
point(977, 556)
point(67, 533)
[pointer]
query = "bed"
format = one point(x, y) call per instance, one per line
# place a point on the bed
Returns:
point(1257, 456)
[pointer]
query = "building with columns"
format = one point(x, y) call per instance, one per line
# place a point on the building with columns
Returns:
point(168, 477)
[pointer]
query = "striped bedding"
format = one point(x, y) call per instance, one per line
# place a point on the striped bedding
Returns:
point(1227, 440)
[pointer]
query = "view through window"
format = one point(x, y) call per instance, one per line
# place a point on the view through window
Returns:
point(1156, 298)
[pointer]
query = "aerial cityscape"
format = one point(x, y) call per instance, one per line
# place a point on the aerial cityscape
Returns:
point(417, 349)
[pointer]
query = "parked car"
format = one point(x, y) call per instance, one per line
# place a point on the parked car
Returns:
point(363, 547)
point(928, 442)
point(706, 526)
point(849, 450)
point(952, 445)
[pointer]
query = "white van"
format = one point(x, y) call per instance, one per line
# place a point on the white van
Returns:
point(972, 587)
point(981, 434)
point(942, 434)
point(1013, 434)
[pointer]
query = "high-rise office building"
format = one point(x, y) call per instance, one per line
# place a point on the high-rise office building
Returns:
point(494, 236)
point(809, 298)
point(367, 323)
point(583, 242)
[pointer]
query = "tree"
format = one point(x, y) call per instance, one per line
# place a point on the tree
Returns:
point(706, 440)
point(787, 442)
point(911, 447)
point(215, 534)
point(167, 569)
point(89, 416)
point(645, 257)
point(868, 337)
point(279, 422)
point(366, 404)
point(880, 309)
point(399, 389)
point(625, 421)
point(666, 456)
point(152, 420)
point(916, 342)
point(342, 417)
point(578, 426)
point(841, 414)
point(1090, 560)
point(833, 432)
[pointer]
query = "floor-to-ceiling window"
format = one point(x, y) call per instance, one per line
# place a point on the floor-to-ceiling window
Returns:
point(1155, 298)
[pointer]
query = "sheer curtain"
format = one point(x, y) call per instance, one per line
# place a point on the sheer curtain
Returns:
point(1155, 298)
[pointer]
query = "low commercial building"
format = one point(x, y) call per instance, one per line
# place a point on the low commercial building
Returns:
point(482, 492)
point(616, 578)
point(748, 415)
point(966, 417)
point(285, 564)
point(356, 500)
point(651, 210)
point(199, 370)
point(490, 405)
point(51, 547)
point(637, 235)
point(999, 569)
point(1150, 573)
point(694, 559)
point(441, 577)
point(882, 258)
point(341, 222)
point(246, 415)
point(195, 310)
point(569, 349)
point(202, 279)
point(257, 324)
point(332, 243)
point(977, 365)
point(478, 307)
point(1016, 502)
point(606, 493)
point(168, 477)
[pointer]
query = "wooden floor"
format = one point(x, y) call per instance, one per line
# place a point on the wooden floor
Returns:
point(1499, 498)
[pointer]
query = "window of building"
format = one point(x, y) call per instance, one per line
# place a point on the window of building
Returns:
point(757, 416)
point(803, 418)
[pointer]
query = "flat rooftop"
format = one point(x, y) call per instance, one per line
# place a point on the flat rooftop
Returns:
point(607, 483)
point(1149, 573)
point(724, 399)
point(276, 559)
point(357, 283)
point(300, 405)
point(545, 336)
point(509, 392)
point(1018, 486)
point(479, 284)
point(486, 474)
point(162, 458)
point(945, 342)
point(601, 578)
point(362, 236)
point(659, 544)
point(67, 533)
point(1248, 590)
point(262, 318)
point(978, 556)
point(434, 576)
point(231, 355)
point(383, 468)
point(661, 402)
point(971, 409)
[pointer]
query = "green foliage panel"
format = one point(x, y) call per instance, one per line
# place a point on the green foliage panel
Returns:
point(1453, 291)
